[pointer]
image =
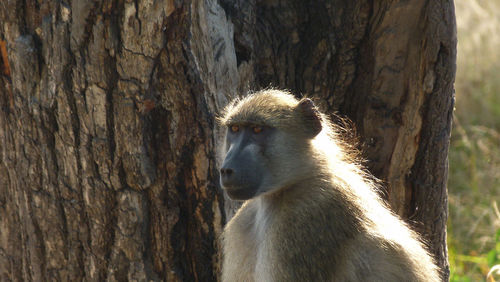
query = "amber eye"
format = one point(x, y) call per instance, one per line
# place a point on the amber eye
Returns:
point(235, 128)
point(257, 129)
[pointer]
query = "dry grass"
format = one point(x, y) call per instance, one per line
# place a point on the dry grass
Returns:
point(474, 179)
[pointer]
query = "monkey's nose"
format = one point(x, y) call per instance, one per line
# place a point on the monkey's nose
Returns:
point(226, 172)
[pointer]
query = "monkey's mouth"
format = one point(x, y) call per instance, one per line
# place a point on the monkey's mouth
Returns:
point(238, 192)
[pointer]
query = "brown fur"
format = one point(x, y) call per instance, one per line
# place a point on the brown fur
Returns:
point(326, 223)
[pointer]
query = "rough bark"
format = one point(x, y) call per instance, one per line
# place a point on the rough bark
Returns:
point(108, 143)
point(107, 128)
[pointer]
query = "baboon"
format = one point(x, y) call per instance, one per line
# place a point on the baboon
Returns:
point(311, 213)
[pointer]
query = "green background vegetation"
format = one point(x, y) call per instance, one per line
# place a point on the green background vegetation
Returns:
point(474, 178)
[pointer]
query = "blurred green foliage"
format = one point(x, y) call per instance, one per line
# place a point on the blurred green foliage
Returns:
point(474, 177)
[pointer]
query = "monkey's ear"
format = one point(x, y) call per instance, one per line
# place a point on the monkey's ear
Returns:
point(311, 117)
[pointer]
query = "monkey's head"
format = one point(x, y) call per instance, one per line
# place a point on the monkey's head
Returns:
point(267, 139)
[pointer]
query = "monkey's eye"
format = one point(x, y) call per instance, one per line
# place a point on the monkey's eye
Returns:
point(257, 129)
point(235, 128)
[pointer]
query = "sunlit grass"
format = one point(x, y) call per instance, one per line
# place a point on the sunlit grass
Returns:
point(474, 179)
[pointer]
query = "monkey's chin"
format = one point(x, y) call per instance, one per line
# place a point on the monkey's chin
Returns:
point(239, 194)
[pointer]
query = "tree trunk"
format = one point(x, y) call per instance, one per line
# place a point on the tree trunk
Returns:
point(109, 149)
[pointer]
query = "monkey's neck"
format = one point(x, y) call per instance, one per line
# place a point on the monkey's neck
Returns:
point(309, 187)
